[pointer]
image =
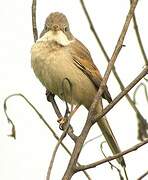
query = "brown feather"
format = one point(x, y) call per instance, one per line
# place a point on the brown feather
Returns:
point(84, 62)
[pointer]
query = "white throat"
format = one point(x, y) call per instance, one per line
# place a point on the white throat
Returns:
point(58, 36)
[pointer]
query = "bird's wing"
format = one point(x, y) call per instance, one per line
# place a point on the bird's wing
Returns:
point(82, 59)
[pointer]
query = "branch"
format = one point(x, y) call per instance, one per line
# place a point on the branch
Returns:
point(80, 140)
point(143, 175)
point(123, 93)
point(94, 31)
point(110, 158)
point(112, 165)
point(91, 140)
point(56, 148)
point(142, 125)
point(145, 92)
point(77, 149)
point(115, 53)
point(139, 38)
point(34, 26)
point(141, 120)
point(42, 118)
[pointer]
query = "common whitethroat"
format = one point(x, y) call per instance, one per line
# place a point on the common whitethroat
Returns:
point(58, 55)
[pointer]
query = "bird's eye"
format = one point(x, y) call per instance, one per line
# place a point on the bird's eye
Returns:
point(66, 28)
point(46, 28)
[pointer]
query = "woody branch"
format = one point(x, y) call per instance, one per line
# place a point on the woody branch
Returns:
point(71, 169)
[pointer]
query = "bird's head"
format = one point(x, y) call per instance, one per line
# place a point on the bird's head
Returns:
point(57, 26)
point(57, 22)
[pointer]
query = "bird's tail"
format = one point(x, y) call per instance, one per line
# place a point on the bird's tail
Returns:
point(110, 138)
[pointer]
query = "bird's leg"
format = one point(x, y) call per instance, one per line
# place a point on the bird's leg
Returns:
point(49, 96)
point(63, 120)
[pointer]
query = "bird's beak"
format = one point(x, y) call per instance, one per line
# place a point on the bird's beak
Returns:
point(55, 28)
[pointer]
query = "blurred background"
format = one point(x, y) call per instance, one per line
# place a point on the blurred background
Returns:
point(28, 157)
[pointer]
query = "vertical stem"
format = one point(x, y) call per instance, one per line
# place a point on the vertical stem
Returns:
point(34, 26)
point(77, 149)
point(139, 38)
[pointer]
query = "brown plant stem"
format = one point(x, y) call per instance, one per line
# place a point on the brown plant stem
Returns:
point(110, 158)
point(140, 117)
point(136, 28)
point(80, 140)
point(77, 149)
point(143, 175)
point(123, 93)
point(116, 52)
point(44, 121)
point(56, 148)
point(34, 27)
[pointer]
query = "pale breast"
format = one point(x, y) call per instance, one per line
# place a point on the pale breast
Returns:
point(57, 72)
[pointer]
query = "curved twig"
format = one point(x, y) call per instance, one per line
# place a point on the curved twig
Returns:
point(111, 164)
point(42, 118)
point(136, 90)
point(13, 131)
point(142, 125)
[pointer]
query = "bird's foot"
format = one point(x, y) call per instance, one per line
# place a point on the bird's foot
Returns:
point(62, 121)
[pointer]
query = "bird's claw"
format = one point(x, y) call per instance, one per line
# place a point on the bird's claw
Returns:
point(62, 121)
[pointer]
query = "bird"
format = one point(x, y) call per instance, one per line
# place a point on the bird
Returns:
point(57, 57)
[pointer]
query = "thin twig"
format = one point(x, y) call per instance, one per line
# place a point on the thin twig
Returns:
point(56, 148)
point(92, 139)
point(110, 158)
point(143, 175)
point(139, 38)
point(111, 164)
point(34, 26)
point(44, 121)
point(93, 30)
point(13, 131)
point(115, 53)
point(136, 90)
point(142, 125)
